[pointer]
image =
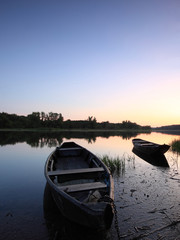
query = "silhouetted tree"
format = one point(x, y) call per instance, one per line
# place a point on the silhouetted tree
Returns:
point(56, 120)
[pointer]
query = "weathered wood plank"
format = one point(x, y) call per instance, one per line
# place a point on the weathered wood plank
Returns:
point(75, 171)
point(83, 187)
point(52, 165)
point(69, 149)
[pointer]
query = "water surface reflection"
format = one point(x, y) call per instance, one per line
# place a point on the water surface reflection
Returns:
point(53, 139)
point(156, 160)
point(146, 196)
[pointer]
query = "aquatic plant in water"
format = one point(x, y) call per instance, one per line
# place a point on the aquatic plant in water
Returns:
point(116, 165)
point(175, 146)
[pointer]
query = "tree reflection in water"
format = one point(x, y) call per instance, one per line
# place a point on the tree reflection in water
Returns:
point(53, 139)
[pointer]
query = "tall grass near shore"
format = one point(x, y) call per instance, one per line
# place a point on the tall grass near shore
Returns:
point(175, 146)
point(116, 165)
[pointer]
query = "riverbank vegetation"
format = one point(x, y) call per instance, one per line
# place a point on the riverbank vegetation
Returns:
point(41, 120)
point(175, 146)
point(116, 165)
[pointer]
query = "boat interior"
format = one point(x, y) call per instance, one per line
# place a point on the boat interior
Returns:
point(78, 172)
point(143, 142)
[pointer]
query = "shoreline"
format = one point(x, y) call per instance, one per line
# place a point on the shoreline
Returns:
point(71, 130)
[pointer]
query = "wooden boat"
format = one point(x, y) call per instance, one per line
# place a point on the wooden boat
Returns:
point(149, 147)
point(81, 186)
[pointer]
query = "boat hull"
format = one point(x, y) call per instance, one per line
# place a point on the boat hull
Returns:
point(62, 227)
point(149, 147)
point(100, 217)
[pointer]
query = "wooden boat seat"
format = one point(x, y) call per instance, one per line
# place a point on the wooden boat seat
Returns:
point(69, 149)
point(68, 152)
point(83, 187)
point(75, 171)
point(147, 144)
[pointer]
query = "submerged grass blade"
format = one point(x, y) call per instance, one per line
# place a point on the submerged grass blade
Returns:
point(175, 146)
point(116, 165)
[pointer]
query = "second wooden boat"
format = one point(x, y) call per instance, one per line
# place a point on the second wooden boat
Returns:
point(81, 186)
point(149, 147)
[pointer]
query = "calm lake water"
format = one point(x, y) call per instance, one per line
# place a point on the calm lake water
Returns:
point(147, 197)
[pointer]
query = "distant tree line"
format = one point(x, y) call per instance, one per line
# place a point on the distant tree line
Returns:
point(56, 120)
point(169, 127)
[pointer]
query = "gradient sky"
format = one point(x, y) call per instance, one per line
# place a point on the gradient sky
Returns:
point(115, 60)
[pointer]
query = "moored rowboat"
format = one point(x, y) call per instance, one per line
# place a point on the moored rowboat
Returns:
point(149, 147)
point(81, 186)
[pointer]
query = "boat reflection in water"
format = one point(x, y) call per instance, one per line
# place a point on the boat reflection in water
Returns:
point(156, 159)
point(60, 228)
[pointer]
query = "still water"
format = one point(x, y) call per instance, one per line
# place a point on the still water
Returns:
point(147, 197)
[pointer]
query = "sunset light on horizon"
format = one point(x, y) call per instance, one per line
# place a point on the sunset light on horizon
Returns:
point(114, 60)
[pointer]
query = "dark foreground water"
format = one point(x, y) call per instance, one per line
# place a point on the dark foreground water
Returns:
point(147, 197)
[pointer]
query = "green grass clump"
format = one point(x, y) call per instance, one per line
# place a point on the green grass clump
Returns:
point(175, 146)
point(116, 165)
point(112, 163)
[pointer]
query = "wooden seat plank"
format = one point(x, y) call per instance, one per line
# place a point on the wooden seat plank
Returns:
point(75, 171)
point(83, 187)
point(69, 149)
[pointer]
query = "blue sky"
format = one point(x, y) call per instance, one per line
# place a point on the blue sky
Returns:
point(114, 60)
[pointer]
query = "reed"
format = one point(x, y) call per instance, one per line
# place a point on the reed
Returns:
point(175, 146)
point(116, 165)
